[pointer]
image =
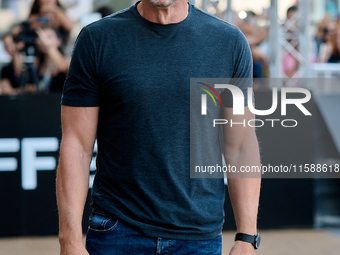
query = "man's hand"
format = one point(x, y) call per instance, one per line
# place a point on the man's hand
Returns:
point(68, 249)
point(242, 248)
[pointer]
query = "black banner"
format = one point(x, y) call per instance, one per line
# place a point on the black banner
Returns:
point(30, 134)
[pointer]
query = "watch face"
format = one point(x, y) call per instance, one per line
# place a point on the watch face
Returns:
point(257, 241)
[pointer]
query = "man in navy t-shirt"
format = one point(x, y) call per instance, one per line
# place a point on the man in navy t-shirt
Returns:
point(129, 87)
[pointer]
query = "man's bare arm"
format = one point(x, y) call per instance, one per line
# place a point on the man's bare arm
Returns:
point(241, 149)
point(79, 127)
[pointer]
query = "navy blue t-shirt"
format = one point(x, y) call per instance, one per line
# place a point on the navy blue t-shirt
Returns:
point(139, 73)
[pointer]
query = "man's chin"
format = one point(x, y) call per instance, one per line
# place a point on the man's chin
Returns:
point(162, 4)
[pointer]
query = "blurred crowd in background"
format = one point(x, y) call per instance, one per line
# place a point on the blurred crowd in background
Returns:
point(40, 47)
point(324, 47)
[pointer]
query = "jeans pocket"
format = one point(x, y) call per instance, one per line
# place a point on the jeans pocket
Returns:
point(101, 222)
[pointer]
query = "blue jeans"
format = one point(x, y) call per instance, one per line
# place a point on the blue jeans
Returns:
point(109, 236)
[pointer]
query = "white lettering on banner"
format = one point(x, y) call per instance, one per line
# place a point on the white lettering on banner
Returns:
point(93, 166)
point(31, 163)
point(9, 145)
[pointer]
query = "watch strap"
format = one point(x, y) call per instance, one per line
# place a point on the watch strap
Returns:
point(245, 238)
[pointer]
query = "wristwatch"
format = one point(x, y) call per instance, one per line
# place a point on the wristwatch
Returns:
point(254, 240)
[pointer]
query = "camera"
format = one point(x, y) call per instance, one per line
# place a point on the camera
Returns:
point(28, 36)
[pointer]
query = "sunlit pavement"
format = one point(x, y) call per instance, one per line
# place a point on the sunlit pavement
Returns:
point(279, 242)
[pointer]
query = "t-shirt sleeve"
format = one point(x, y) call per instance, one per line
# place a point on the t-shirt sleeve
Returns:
point(243, 71)
point(81, 87)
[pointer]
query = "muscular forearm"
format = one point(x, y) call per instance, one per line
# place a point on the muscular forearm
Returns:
point(244, 192)
point(244, 196)
point(72, 189)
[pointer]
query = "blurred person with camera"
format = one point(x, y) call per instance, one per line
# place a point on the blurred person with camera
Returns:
point(330, 52)
point(38, 62)
point(10, 74)
point(322, 36)
point(53, 11)
point(53, 65)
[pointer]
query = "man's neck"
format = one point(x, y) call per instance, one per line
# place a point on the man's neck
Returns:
point(173, 14)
